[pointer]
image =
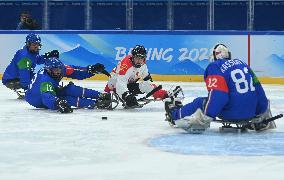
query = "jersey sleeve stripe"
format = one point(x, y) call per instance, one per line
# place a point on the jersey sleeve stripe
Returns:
point(216, 82)
point(69, 70)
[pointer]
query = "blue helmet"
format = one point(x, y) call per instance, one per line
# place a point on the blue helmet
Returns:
point(55, 68)
point(33, 38)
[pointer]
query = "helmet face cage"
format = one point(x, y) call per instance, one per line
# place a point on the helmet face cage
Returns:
point(138, 51)
point(55, 68)
point(221, 51)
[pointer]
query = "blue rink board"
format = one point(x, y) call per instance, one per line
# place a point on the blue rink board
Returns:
point(214, 143)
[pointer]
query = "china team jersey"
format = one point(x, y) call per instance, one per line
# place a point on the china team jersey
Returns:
point(125, 73)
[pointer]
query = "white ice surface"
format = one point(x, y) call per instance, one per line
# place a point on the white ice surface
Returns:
point(38, 144)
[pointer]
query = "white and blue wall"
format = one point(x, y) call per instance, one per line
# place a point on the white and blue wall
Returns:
point(172, 55)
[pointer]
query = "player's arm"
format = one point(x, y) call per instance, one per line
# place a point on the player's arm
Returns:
point(24, 65)
point(218, 91)
point(51, 101)
point(40, 59)
point(145, 73)
point(77, 72)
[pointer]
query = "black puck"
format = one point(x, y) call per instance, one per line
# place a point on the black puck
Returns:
point(104, 118)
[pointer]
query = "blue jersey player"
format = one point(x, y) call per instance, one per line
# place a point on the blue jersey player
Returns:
point(45, 91)
point(234, 94)
point(20, 71)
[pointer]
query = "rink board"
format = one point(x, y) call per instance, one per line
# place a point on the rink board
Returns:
point(172, 56)
point(193, 78)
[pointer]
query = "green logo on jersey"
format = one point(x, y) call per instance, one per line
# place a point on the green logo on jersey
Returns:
point(47, 87)
point(25, 63)
point(254, 78)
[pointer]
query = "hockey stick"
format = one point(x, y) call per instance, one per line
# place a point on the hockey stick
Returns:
point(151, 93)
point(248, 122)
point(106, 73)
point(273, 118)
point(114, 99)
point(21, 94)
point(143, 101)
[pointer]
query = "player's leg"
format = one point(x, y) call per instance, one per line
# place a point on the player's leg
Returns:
point(15, 85)
point(188, 109)
point(77, 91)
point(79, 101)
point(258, 123)
point(189, 117)
point(105, 101)
point(146, 87)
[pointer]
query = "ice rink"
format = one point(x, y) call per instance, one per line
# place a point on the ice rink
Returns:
point(137, 144)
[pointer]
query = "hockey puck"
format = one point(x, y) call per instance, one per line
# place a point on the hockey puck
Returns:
point(104, 118)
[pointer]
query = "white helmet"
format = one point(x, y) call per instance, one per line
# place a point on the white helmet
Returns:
point(221, 51)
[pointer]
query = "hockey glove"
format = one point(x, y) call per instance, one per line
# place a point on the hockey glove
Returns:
point(170, 105)
point(62, 87)
point(53, 53)
point(63, 106)
point(130, 99)
point(104, 101)
point(97, 68)
point(148, 78)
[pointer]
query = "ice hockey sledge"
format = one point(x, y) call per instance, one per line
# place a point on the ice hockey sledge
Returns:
point(240, 126)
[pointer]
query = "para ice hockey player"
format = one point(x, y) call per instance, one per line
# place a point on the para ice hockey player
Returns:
point(45, 91)
point(125, 76)
point(234, 93)
point(20, 71)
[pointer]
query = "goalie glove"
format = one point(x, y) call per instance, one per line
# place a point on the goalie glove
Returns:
point(63, 106)
point(53, 53)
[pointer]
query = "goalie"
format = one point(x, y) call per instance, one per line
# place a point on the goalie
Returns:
point(125, 76)
point(45, 91)
point(234, 94)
